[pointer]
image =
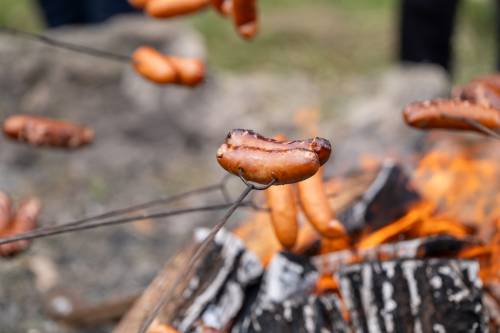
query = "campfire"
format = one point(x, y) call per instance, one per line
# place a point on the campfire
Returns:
point(421, 253)
point(392, 246)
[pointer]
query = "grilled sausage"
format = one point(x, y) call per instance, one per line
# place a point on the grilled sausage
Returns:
point(163, 69)
point(245, 17)
point(139, 4)
point(314, 202)
point(482, 92)
point(450, 114)
point(281, 201)
point(171, 8)
point(42, 131)
point(5, 211)
point(248, 138)
point(263, 166)
point(222, 6)
point(25, 220)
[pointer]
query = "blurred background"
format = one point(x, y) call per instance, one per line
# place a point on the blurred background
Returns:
point(331, 64)
point(327, 38)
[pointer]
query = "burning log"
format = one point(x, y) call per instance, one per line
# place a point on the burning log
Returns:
point(387, 199)
point(429, 247)
point(284, 302)
point(436, 295)
point(215, 294)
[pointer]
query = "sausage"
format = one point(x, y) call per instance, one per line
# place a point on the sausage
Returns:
point(248, 138)
point(163, 69)
point(40, 131)
point(5, 211)
point(139, 4)
point(25, 220)
point(263, 166)
point(479, 92)
point(171, 8)
point(223, 7)
point(245, 17)
point(314, 202)
point(281, 201)
point(450, 114)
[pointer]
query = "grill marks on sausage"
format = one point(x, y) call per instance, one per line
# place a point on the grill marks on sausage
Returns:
point(249, 138)
point(263, 160)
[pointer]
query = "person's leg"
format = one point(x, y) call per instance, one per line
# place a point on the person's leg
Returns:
point(426, 31)
point(62, 12)
point(100, 10)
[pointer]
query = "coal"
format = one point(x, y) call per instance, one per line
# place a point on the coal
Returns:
point(284, 302)
point(387, 199)
point(434, 295)
point(215, 294)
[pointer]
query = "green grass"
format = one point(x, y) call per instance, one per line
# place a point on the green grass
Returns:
point(325, 38)
point(21, 14)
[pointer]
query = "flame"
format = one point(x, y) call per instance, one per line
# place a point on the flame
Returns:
point(463, 187)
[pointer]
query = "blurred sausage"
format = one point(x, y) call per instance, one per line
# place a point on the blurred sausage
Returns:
point(42, 131)
point(314, 202)
point(5, 211)
point(25, 220)
point(139, 4)
point(281, 201)
point(479, 92)
point(245, 17)
point(163, 69)
point(450, 114)
point(223, 7)
point(171, 8)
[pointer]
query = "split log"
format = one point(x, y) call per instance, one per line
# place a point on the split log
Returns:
point(387, 199)
point(258, 237)
point(284, 302)
point(435, 295)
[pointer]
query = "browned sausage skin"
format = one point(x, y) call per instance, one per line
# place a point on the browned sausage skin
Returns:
point(314, 202)
point(5, 211)
point(24, 220)
point(248, 138)
point(281, 201)
point(480, 92)
point(263, 160)
point(450, 114)
point(42, 131)
point(139, 4)
point(163, 69)
point(245, 17)
point(171, 8)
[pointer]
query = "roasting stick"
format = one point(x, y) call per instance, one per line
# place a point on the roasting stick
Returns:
point(63, 229)
point(67, 46)
point(483, 129)
point(184, 275)
point(162, 201)
point(147, 62)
